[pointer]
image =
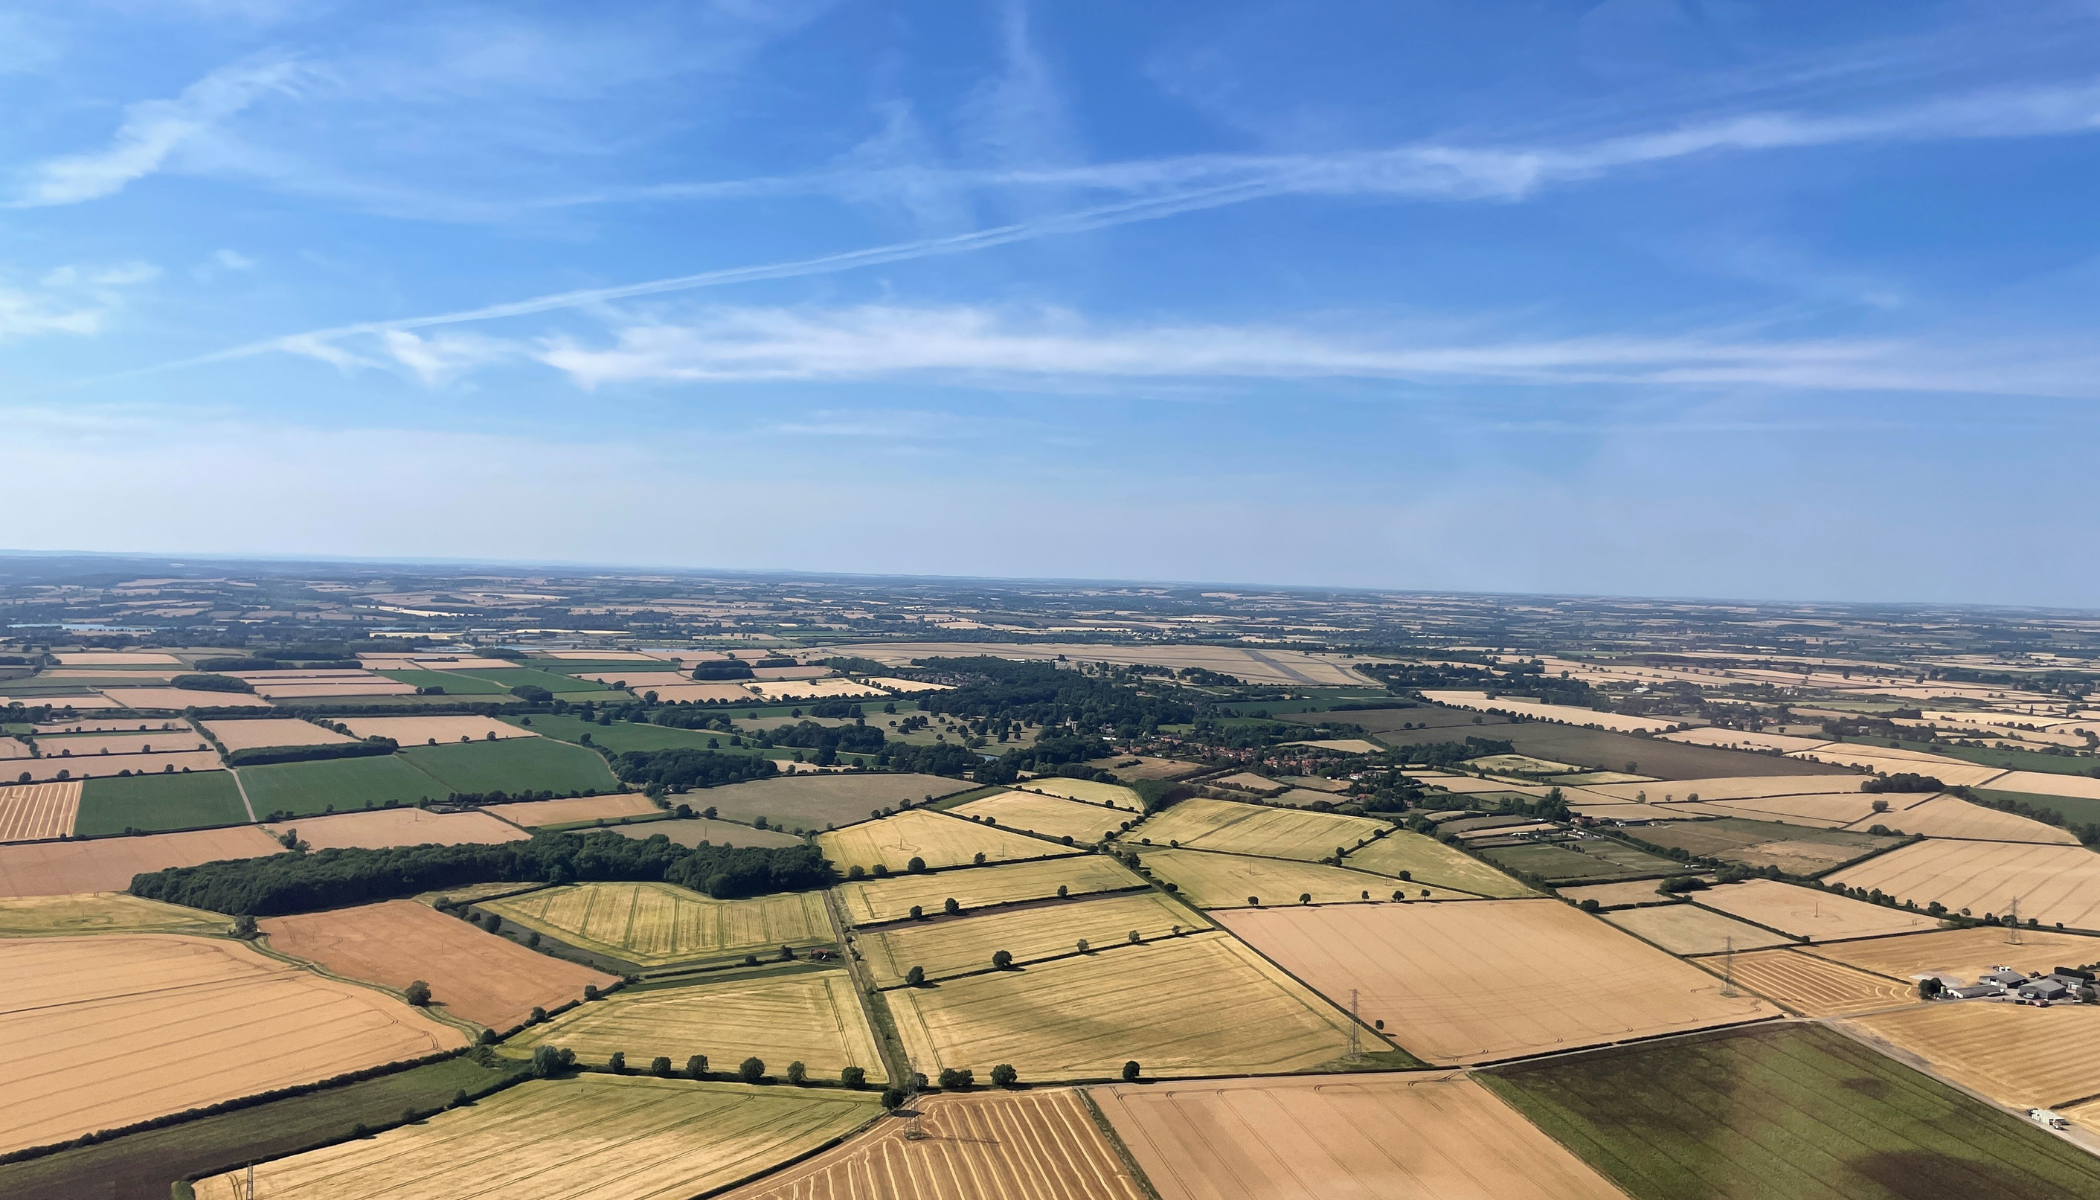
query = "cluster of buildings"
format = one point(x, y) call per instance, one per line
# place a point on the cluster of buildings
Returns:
point(2061, 984)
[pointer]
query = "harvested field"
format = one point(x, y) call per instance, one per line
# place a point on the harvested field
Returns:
point(1086, 791)
point(1146, 768)
point(1247, 781)
point(94, 1051)
point(656, 924)
point(603, 1136)
point(103, 912)
point(473, 975)
point(946, 947)
point(1827, 810)
point(1737, 787)
point(2019, 1056)
point(1744, 739)
point(1233, 828)
point(1589, 860)
point(420, 731)
point(158, 803)
point(908, 687)
point(1437, 975)
point(813, 1018)
point(107, 864)
point(692, 832)
point(118, 658)
point(1344, 746)
point(1785, 1112)
point(2053, 883)
point(1965, 954)
point(1426, 860)
point(112, 766)
point(1038, 1145)
point(1806, 912)
point(1520, 764)
point(288, 685)
point(1795, 850)
point(811, 689)
point(1468, 785)
point(1045, 815)
point(177, 699)
point(1565, 714)
point(942, 841)
point(89, 744)
point(1954, 817)
point(868, 902)
point(1082, 1018)
point(1330, 1136)
point(1287, 668)
point(513, 765)
point(38, 810)
point(1620, 895)
point(113, 725)
point(264, 732)
point(1951, 771)
point(1812, 986)
point(383, 827)
point(80, 703)
point(2045, 783)
point(699, 693)
point(1687, 929)
point(533, 813)
point(817, 801)
point(1210, 880)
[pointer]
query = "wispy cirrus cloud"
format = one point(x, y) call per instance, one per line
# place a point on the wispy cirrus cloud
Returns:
point(153, 130)
point(73, 299)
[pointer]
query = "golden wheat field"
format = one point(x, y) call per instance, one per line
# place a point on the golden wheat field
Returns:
point(813, 1018)
point(1811, 986)
point(1230, 827)
point(655, 924)
point(959, 945)
point(1209, 880)
point(870, 901)
point(1086, 791)
point(1687, 929)
point(2019, 1056)
point(1809, 912)
point(2052, 883)
point(601, 1136)
point(1045, 816)
point(935, 838)
point(1425, 860)
point(32, 811)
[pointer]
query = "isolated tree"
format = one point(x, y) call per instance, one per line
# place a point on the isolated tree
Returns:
point(417, 993)
point(1367, 895)
point(1399, 894)
point(950, 906)
point(917, 912)
point(1134, 938)
point(854, 1077)
point(1929, 988)
point(1130, 1071)
point(1062, 891)
point(1004, 1075)
point(546, 1061)
point(660, 1066)
point(798, 1074)
point(590, 991)
point(1305, 897)
point(751, 1070)
point(696, 1067)
point(1002, 959)
point(917, 865)
point(538, 1014)
point(915, 976)
point(1254, 901)
point(617, 1064)
point(244, 926)
point(1407, 876)
point(893, 1097)
point(979, 860)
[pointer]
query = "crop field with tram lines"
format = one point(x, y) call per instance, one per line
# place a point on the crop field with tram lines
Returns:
point(1209, 880)
point(872, 901)
point(1811, 986)
point(656, 924)
point(945, 946)
point(1230, 827)
point(934, 838)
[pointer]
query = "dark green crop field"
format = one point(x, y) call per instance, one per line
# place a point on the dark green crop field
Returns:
point(164, 801)
point(513, 765)
point(1786, 1112)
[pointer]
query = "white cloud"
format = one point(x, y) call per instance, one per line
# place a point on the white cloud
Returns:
point(152, 131)
point(232, 260)
point(75, 299)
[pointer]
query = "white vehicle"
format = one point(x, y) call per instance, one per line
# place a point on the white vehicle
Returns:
point(2042, 1116)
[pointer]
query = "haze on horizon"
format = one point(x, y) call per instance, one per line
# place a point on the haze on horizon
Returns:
point(1663, 297)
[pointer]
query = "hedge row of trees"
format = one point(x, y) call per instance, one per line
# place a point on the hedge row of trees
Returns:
point(260, 755)
point(686, 767)
point(1039, 693)
point(306, 882)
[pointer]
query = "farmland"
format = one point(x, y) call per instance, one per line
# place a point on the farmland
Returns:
point(656, 924)
point(813, 1018)
point(383, 827)
point(952, 946)
point(419, 731)
point(618, 737)
point(1234, 828)
point(220, 1021)
point(90, 745)
point(159, 802)
point(513, 765)
point(1046, 816)
point(2054, 883)
point(263, 732)
point(109, 766)
point(1209, 880)
point(1040, 1145)
point(1813, 986)
point(695, 830)
point(2019, 1056)
point(107, 864)
point(1785, 1112)
point(875, 900)
point(1791, 848)
point(305, 789)
point(1082, 1018)
point(1328, 1137)
point(29, 811)
point(1687, 929)
point(1963, 953)
point(1426, 860)
point(942, 841)
point(473, 975)
point(1086, 791)
point(102, 912)
point(817, 801)
point(1600, 749)
point(531, 813)
point(1620, 895)
point(1954, 817)
point(608, 1137)
point(1436, 975)
point(1806, 912)
point(1586, 861)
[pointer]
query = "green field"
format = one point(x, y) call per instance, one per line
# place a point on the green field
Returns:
point(513, 765)
point(2076, 809)
point(508, 678)
point(344, 785)
point(1562, 862)
point(1785, 1112)
point(452, 681)
point(140, 1166)
point(622, 736)
point(159, 802)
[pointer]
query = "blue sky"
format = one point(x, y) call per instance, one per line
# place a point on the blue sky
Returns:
point(1638, 297)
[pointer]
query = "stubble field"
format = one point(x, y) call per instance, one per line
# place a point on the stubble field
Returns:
point(1808, 912)
point(871, 901)
point(1475, 982)
point(1086, 791)
point(473, 975)
point(1812, 986)
point(600, 1136)
point(2019, 1056)
point(1427, 860)
point(421, 731)
point(1046, 816)
point(955, 946)
point(1964, 953)
point(1038, 1145)
point(942, 841)
point(1209, 880)
point(103, 912)
point(265, 732)
point(383, 827)
point(2053, 883)
point(38, 810)
point(1332, 1137)
point(93, 1049)
point(813, 1018)
point(1954, 817)
point(1685, 929)
point(656, 924)
point(107, 864)
point(532, 813)
point(1233, 828)
point(1082, 1018)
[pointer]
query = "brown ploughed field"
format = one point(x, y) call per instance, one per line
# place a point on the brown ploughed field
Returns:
point(107, 864)
point(532, 813)
point(379, 828)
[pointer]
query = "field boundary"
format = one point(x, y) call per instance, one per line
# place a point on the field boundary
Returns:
point(1140, 849)
point(1089, 952)
point(1115, 1143)
point(1006, 906)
